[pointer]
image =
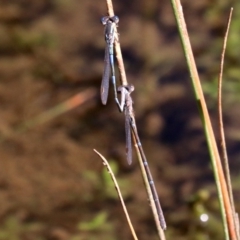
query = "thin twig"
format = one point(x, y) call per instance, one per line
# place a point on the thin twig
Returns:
point(105, 162)
point(220, 117)
point(224, 200)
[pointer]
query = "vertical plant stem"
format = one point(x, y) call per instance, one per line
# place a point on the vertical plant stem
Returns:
point(221, 127)
point(224, 200)
point(220, 115)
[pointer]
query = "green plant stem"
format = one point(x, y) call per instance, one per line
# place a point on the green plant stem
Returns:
point(224, 200)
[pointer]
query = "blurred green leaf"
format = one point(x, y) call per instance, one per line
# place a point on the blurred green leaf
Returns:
point(97, 223)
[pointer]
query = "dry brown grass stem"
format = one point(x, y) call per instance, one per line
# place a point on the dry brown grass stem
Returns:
point(105, 163)
point(221, 126)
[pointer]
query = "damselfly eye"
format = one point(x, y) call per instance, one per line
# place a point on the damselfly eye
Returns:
point(130, 88)
point(104, 20)
point(115, 19)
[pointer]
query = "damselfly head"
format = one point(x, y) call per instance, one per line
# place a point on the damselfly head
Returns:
point(129, 88)
point(104, 20)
